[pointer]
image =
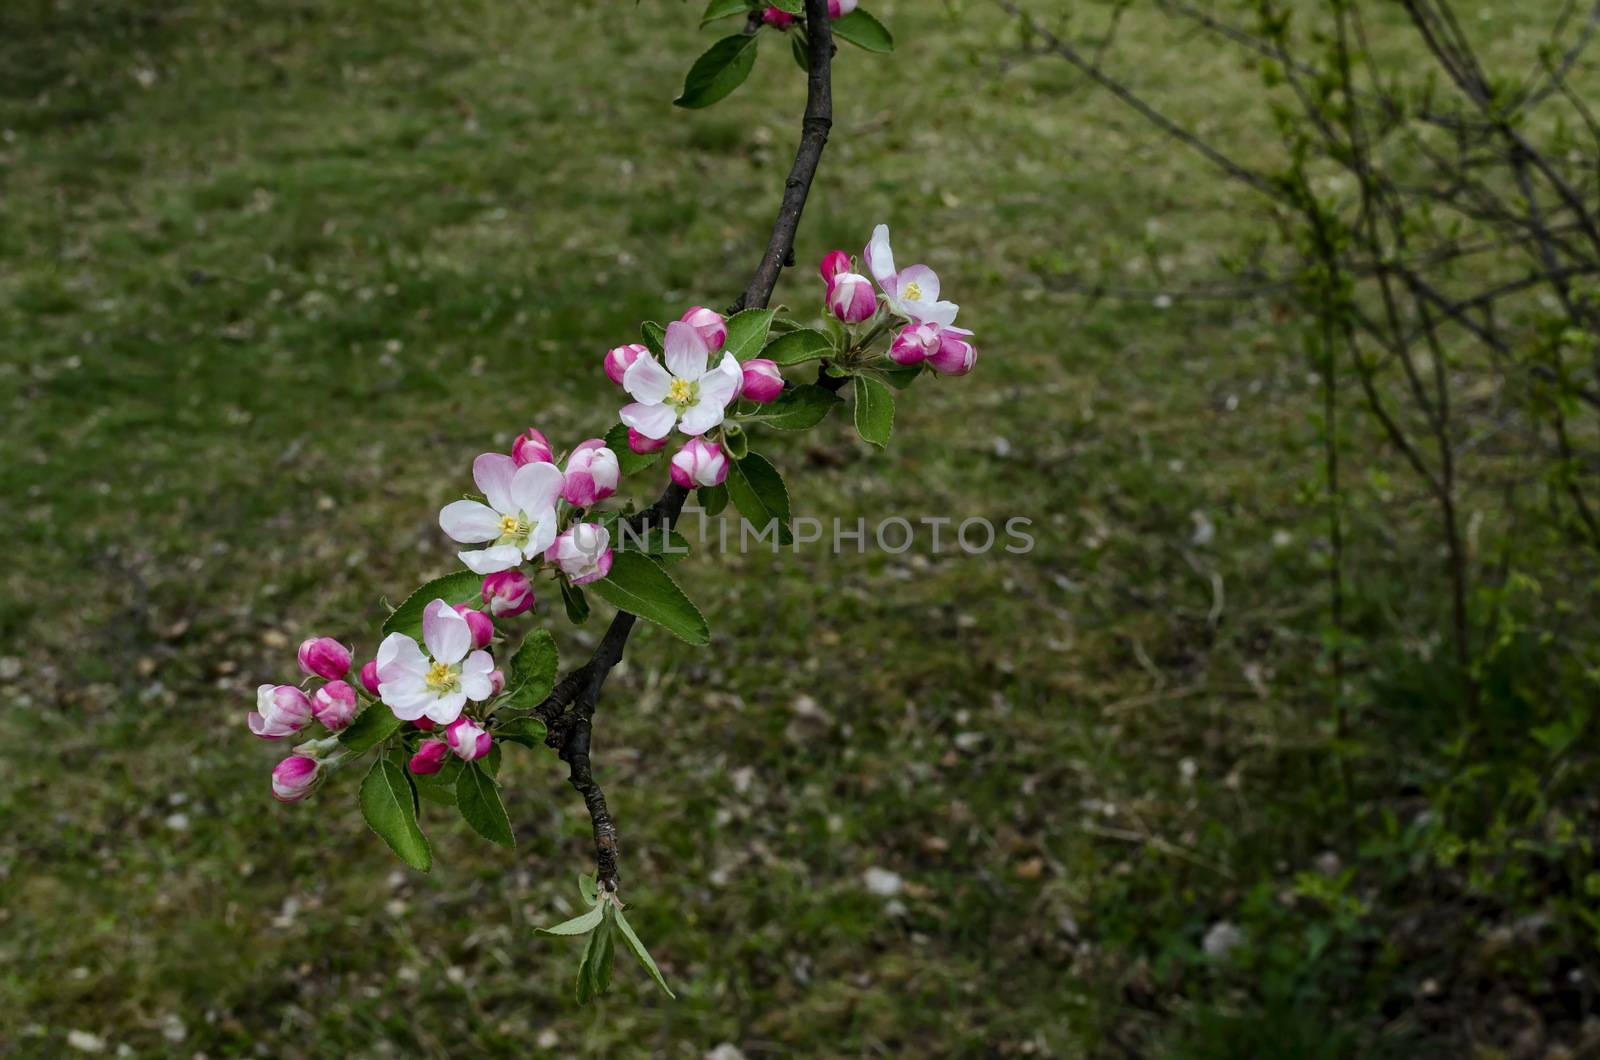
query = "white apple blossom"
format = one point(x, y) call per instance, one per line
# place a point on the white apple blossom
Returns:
point(913, 292)
point(518, 523)
point(436, 684)
point(686, 393)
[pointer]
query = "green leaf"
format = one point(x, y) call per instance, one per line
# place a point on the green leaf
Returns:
point(722, 9)
point(628, 461)
point(578, 925)
point(529, 732)
point(440, 787)
point(797, 48)
point(638, 585)
point(874, 410)
point(797, 408)
point(757, 490)
point(654, 336)
point(713, 499)
point(798, 347)
point(372, 726)
point(722, 68)
point(794, 7)
point(457, 588)
point(577, 604)
point(747, 332)
point(864, 31)
point(643, 954)
point(478, 799)
point(901, 375)
point(588, 887)
point(532, 673)
point(594, 967)
point(388, 802)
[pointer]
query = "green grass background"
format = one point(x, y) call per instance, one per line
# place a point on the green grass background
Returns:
point(272, 274)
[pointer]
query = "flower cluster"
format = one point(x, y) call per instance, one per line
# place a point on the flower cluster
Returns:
point(910, 295)
point(433, 696)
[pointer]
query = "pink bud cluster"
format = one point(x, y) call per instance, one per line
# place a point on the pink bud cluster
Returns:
point(285, 710)
point(464, 738)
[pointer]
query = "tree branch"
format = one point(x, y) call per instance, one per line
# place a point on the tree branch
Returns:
point(569, 709)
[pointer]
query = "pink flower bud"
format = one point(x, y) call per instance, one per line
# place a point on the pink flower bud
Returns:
point(583, 553)
point(620, 358)
point(293, 778)
point(642, 445)
point(369, 676)
point(915, 344)
point(479, 624)
point(699, 463)
point(497, 682)
point(424, 723)
point(429, 758)
point(850, 297)
point(469, 740)
point(507, 594)
point(531, 447)
point(281, 710)
point(777, 16)
point(592, 474)
point(324, 657)
point(840, 8)
point(833, 263)
point(709, 323)
point(334, 705)
point(762, 380)
point(955, 356)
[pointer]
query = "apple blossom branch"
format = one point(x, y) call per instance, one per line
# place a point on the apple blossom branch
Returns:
point(568, 711)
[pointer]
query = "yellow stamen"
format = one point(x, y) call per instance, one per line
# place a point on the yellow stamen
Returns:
point(509, 525)
point(441, 678)
point(681, 392)
point(913, 292)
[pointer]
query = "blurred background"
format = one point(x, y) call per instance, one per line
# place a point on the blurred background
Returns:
point(271, 274)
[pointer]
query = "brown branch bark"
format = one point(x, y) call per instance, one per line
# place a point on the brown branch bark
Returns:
point(570, 708)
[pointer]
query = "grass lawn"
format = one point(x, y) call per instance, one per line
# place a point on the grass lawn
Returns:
point(272, 274)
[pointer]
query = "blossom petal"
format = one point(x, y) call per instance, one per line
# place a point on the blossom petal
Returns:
point(469, 522)
point(541, 538)
point(879, 258)
point(445, 632)
point(701, 417)
point(535, 488)
point(479, 662)
point(686, 352)
point(941, 313)
point(646, 381)
point(492, 472)
point(406, 698)
point(447, 708)
point(925, 279)
point(475, 681)
point(654, 421)
point(722, 382)
point(491, 560)
point(399, 656)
